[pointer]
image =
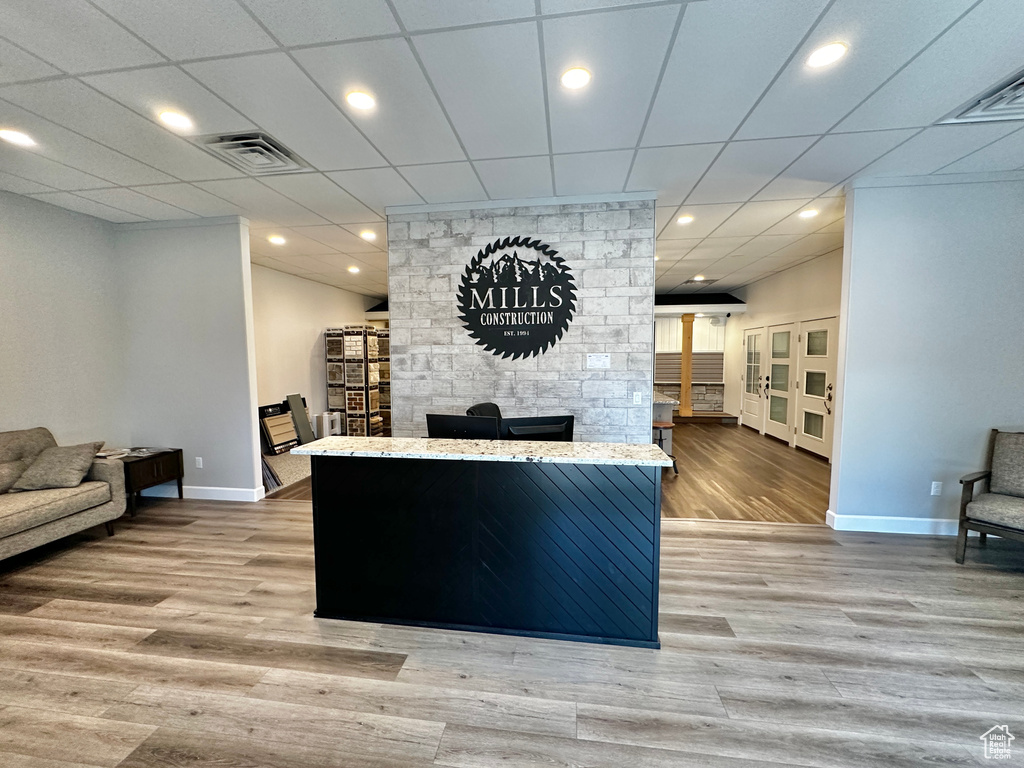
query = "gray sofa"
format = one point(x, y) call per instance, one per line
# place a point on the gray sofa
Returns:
point(31, 518)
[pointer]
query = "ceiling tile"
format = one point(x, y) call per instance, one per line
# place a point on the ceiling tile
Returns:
point(832, 160)
point(706, 219)
point(72, 149)
point(754, 218)
point(744, 167)
point(191, 198)
point(90, 113)
point(290, 107)
point(261, 202)
point(300, 22)
point(882, 36)
point(407, 125)
point(829, 209)
point(726, 54)
point(490, 83)
point(592, 173)
point(20, 186)
point(190, 29)
point(949, 73)
point(662, 216)
point(81, 205)
point(675, 249)
point(345, 240)
point(430, 14)
point(31, 165)
point(624, 52)
point(568, 6)
point(516, 177)
point(1007, 154)
point(764, 245)
point(304, 263)
point(447, 183)
point(72, 35)
point(378, 244)
point(377, 187)
point(297, 243)
point(812, 245)
point(320, 195)
point(156, 89)
point(140, 205)
point(839, 225)
point(21, 65)
point(716, 247)
point(935, 148)
point(672, 171)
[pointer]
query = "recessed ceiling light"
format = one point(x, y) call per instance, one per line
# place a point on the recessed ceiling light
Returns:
point(827, 54)
point(368, 234)
point(277, 240)
point(657, 258)
point(360, 100)
point(176, 120)
point(808, 214)
point(17, 137)
point(699, 314)
point(577, 77)
point(353, 270)
point(699, 278)
point(687, 219)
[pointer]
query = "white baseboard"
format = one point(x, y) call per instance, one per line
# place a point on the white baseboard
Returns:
point(930, 526)
point(211, 493)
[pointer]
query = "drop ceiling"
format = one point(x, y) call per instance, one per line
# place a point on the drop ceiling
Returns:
point(708, 103)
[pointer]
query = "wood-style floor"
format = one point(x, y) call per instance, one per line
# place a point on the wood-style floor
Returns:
point(733, 473)
point(725, 473)
point(187, 640)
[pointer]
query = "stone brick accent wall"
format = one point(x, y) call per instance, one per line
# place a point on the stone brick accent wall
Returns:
point(436, 367)
point(704, 397)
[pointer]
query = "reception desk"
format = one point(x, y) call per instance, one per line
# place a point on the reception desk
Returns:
point(543, 539)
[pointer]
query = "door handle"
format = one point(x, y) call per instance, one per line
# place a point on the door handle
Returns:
point(767, 380)
point(828, 399)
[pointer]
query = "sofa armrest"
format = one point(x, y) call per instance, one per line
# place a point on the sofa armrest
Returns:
point(110, 471)
point(974, 477)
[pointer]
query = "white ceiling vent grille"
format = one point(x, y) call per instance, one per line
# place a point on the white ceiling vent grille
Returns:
point(1004, 102)
point(255, 153)
point(699, 282)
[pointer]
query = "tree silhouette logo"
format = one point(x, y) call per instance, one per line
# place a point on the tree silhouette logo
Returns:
point(517, 297)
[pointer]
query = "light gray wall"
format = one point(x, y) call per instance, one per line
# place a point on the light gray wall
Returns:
point(191, 373)
point(932, 321)
point(61, 328)
point(290, 316)
point(436, 367)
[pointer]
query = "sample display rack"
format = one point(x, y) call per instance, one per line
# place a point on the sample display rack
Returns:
point(353, 379)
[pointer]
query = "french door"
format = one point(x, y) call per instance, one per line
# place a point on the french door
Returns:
point(751, 410)
point(815, 401)
point(780, 381)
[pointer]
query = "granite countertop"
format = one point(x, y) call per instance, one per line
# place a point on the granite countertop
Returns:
point(643, 454)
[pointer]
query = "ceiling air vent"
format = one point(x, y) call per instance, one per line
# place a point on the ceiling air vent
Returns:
point(255, 153)
point(699, 282)
point(1004, 102)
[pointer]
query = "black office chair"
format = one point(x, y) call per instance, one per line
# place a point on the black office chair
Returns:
point(485, 409)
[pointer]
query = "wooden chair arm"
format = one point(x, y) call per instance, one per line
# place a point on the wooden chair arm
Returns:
point(967, 494)
point(974, 477)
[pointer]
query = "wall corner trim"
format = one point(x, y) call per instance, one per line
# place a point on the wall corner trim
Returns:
point(927, 526)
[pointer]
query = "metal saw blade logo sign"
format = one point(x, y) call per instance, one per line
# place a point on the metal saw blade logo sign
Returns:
point(517, 297)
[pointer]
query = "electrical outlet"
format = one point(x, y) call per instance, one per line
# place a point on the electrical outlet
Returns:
point(199, 462)
point(637, 398)
point(936, 488)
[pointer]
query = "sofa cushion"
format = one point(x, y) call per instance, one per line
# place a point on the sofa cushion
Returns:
point(998, 509)
point(1008, 464)
point(18, 449)
point(21, 511)
point(58, 467)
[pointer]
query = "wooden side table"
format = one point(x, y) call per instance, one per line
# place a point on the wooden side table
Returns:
point(142, 472)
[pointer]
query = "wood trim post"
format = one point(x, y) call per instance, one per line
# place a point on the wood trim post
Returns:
point(686, 367)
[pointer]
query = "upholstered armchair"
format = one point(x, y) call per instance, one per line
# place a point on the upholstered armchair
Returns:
point(1000, 510)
